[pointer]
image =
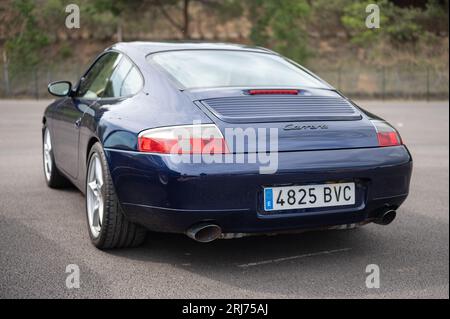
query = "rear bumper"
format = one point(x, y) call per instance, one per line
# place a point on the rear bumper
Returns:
point(168, 197)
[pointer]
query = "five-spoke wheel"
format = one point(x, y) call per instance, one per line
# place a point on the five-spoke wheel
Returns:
point(47, 155)
point(108, 225)
point(52, 175)
point(94, 195)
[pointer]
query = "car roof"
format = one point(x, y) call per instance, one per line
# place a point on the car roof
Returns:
point(154, 47)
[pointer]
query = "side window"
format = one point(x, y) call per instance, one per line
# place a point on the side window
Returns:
point(125, 80)
point(96, 80)
point(133, 82)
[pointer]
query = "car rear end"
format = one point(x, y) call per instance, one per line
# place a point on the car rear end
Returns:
point(329, 165)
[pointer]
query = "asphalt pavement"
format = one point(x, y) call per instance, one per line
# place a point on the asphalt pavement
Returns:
point(42, 231)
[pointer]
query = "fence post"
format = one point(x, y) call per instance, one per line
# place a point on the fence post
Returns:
point(48, 75)
point(6, 73)
point(383, 83)
point(36, 84)
point(339, 78)
point(428, 83)
point(78, 71)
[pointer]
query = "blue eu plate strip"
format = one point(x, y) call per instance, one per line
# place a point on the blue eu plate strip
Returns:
point(268, 199)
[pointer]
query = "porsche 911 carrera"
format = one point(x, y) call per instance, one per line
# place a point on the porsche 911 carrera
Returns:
point(217, 141)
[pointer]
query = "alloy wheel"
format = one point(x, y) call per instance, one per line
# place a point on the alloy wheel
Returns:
point(47, 155)
point(94, 196)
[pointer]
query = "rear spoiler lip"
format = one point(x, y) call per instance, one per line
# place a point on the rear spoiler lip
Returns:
point(197, 94)
point(247, 88)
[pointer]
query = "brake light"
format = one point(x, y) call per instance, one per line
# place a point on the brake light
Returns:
point(386, 134)
point(187, 139)
point(279, 92)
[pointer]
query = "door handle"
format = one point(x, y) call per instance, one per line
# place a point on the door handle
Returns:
point(78, 123)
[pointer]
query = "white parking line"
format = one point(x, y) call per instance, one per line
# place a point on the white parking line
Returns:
point(277, 260)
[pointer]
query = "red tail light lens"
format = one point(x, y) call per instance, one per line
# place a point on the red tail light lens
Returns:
point(279, 92)
point(386, 134)
point(188, 139)
point(388, 139)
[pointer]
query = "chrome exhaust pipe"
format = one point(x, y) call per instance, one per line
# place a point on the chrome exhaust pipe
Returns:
point(204, 233)
point(386, 218)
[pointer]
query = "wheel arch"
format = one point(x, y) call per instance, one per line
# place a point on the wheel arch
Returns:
point(44, 125)
point(90, 143)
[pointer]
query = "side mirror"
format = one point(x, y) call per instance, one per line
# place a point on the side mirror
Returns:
point(60, 88)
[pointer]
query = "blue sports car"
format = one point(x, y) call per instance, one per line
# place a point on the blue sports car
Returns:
point(217, 141)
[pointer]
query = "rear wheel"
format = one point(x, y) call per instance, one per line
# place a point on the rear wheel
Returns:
point(52, 175)
point(107, 224)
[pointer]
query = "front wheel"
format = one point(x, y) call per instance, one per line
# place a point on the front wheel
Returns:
point(52, 175)
point(108, 226)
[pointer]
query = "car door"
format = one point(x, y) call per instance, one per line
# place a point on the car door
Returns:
point(68, 115)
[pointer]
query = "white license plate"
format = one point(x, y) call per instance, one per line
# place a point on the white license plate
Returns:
point(309, 196)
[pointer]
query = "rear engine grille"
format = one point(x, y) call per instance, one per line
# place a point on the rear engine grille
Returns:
point(281, 108)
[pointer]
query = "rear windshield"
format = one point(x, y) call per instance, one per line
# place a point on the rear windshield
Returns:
point(216, 68)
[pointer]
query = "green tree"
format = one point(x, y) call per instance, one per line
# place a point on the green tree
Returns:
point(177, 12)
point(25, 47)
point(354, 19)
point(398, 25)
point(119, 9)
point(281, 26)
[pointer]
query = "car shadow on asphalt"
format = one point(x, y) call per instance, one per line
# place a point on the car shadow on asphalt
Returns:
point(335, 258)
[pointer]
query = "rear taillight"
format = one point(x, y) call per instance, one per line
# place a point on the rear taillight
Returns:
point(187, 139)
point(386, 134)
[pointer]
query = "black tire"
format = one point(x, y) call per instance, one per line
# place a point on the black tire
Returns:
point(116, 231)
point(55, 179)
